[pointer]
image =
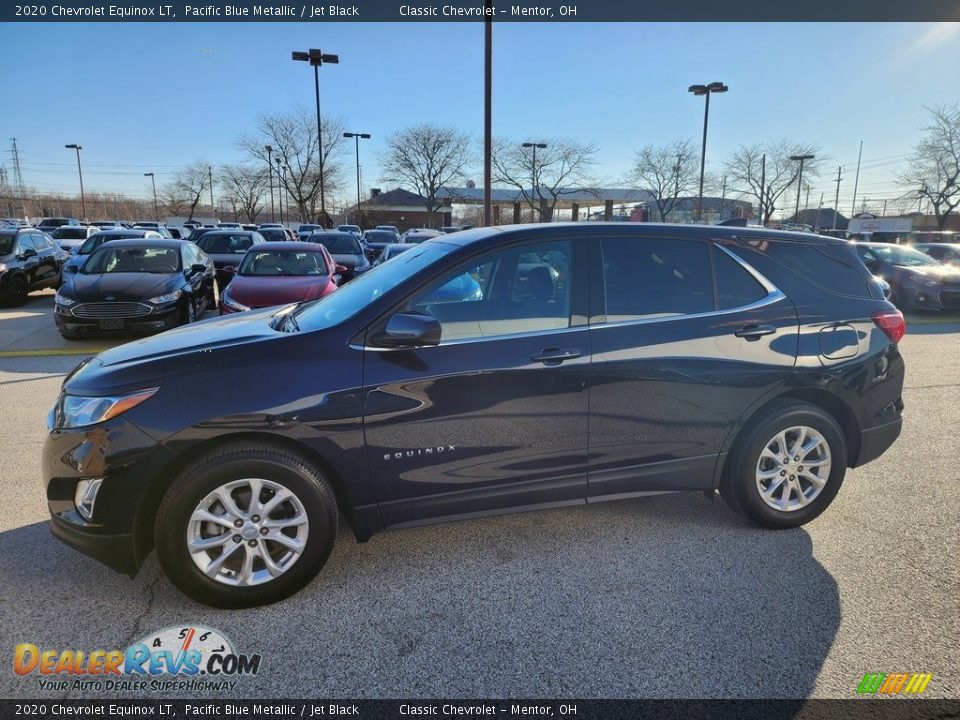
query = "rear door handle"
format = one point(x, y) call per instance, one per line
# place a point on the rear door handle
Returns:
point(754, 332)
point(555, 356)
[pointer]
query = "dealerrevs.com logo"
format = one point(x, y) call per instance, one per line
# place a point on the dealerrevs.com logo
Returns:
point(905, 684)
point(177, 658)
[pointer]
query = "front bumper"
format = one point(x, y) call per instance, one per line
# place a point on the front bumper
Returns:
point(942, 298)
point(163, 318)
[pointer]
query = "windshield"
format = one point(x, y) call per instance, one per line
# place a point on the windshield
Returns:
point(380, 236)
point(905, 257)
point(338, 244)
point(157, 261)
point(307, 228)
point(273, 234)
point(348, 228)
point(69, 233)
point(96, 240)
point(282, 263)
point(225, 243)
point(357, 294)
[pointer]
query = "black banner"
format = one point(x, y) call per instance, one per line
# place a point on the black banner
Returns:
point(215, 709)
point(477, 10)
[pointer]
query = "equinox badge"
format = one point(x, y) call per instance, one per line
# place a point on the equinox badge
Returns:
point(419, 451)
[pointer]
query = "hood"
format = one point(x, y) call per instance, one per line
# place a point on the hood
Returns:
point(943, 273)
point(206, 343)
point(222, 260)
point(120, 286)
point(258, 292)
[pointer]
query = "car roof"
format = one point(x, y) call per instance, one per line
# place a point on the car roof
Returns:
point(146, 243)
point(333, 233)
point(124, 231)
point(291, 246)
point(230, 231)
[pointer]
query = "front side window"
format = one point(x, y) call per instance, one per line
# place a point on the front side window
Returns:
point(650, 277)
point(25, 243)
point(518, 290)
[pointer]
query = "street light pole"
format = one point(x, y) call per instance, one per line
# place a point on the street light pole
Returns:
point(705, 90)
point(487, 112)
point(213, 210)
point(156, 208)
point(279, 190)
point(533, 169)
point(356, 141)
point(801, 158)
point(83, 199)
point(273, 212)
point(317, 58)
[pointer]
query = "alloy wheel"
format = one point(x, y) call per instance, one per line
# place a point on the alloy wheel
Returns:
point(793, 468)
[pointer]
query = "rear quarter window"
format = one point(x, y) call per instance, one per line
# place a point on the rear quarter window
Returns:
point(834, 268)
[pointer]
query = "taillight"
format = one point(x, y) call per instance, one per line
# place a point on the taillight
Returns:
point(891, 322)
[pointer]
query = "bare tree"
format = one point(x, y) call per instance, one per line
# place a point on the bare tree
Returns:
point(187, 189)
point(933, 172)
point(425, 158)
point(293, 137)
point(562, 167)
point(244, 187)
point(667, 172)
point(745, 172)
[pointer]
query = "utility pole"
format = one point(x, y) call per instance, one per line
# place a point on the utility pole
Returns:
point(210, 178)
point(856, 181)
point(487, 110)
point(763, 188)
point(816, 225)
point(883, 213)
point(18, 178)
point(836, 202)
point(723, 196)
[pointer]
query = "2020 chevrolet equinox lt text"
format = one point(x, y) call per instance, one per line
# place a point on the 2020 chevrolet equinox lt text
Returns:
point(487, 371)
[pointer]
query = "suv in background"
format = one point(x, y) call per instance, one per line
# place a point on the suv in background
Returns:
point(69, 237)
point(500, 369)
point(51, 224)
point(29, 260)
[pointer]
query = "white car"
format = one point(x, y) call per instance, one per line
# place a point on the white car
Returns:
point(70, 237)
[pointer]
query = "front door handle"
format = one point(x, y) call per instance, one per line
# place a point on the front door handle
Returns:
point(555, 356)
point(755, 332)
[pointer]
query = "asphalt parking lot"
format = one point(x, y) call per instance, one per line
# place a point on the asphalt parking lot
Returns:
point(669, 596)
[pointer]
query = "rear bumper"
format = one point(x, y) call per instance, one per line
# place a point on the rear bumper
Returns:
point(875, 441)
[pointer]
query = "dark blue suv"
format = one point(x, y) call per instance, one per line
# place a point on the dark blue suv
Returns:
point(493, 370)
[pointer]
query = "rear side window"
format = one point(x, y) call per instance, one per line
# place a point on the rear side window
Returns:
point(735, 286)
point(649, 278)
point(833, 268)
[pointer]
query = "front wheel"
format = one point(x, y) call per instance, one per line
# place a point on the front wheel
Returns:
point(244, 525)
point(189, 313)
point(786, 467)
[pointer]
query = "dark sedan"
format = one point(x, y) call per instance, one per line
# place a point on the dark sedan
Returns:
point(346, 250)
point(377, 240)
point(280, 274)
point(136, 286)
point(947, 253)
point(917, 281)
point(79, 255)
point(227, 248)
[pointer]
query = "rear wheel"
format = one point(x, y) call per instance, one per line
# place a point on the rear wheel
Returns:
point(247, 524)
point(786, 466)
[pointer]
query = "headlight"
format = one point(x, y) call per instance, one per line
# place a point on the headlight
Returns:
point(61, 299)
point(3, 267)
point(233, 304)
point(168, 298)
point(85, 496)
point(77, 411)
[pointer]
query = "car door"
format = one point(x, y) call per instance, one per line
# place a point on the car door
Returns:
point(678, 356)
point(48, 266)
point(494, 417)
point(29, 258)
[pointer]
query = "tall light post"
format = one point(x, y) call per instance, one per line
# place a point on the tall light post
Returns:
point(279, 190)
point(317, 58)
point(533, 169)
point(801, 158)
point(705, 90)
point(156, 208)
point(357, 137)
point(83, 199)
point(273, 212)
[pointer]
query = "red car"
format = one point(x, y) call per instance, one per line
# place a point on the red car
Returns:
point(279, 273)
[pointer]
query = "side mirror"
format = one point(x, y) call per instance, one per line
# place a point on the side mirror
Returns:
point(229, 269)
point(198, 268)
point(409, 330)
point(28, 253)
point(340, 268)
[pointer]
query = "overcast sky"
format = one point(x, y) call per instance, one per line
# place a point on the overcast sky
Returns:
point(152, 97)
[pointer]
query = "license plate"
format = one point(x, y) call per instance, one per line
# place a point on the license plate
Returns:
point(111, 324)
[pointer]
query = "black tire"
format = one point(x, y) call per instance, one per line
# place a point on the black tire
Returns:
point(66, 335)
point(188, 314)
point(738, 484)
point(233, 462)
point(17, 291)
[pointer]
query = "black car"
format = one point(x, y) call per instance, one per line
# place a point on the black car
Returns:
point(79, 254)
point(304, 231)
point(947, 253)
point(346, 251)
point(495, 370)
point(141, 285)
point(274, 234)
point(29, 260)
point(377, 240)
point(227, 248)
point(917, 280)
point(51, 224)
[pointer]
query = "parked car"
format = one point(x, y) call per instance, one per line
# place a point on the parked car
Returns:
point(352, 229)
point(29, 261)
point(199, 232)
point(419, 235)
point(108, 224)
point(156, 227)
point(377, 240)
point(227, 248)
point(274, 234)
point(303, 232)
point(757, 363)
point(229, 225)
point(280, 274)
point(152, 224)
point(389, 227)
point(917, 281)
point(391, 251)
point(80, 254)
point(947, 253)
point(249, 226)
point(51, 224)
point(346, 251)
point(138, 285)
point(69, 237)
point(270, 225)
